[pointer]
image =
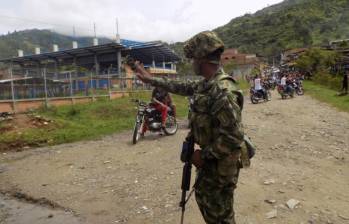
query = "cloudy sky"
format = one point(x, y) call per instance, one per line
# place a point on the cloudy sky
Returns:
point(145, 20)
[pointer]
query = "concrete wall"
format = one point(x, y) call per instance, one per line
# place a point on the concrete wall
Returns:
point(21, 106)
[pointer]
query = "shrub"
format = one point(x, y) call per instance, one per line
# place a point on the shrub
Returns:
point(332, 81)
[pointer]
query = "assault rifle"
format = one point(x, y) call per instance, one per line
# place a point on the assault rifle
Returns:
point(187, 152)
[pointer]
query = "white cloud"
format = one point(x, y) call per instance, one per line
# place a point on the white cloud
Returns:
point(138, 19)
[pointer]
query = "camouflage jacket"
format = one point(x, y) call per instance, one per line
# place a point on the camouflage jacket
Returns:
point(216, 116)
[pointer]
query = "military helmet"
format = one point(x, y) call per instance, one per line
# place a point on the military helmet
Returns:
point(203, 44)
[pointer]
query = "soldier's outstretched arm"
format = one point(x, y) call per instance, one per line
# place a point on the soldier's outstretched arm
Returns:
point(227, 113)
point(173, 86)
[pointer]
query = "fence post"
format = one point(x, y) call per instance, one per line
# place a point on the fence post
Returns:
point(12, 90)
point(45, 86)
point(109, 89)
point(92, 90)
point(71, 88)
point(71, 85)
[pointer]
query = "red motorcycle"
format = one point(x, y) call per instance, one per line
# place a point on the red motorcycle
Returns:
point(150, 117)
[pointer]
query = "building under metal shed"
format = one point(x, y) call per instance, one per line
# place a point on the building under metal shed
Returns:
point(79, 75)
point(94, 67)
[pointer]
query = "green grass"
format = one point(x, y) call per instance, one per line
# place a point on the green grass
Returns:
point(244, 85)
point(324, 94)
point(83, 122)
point(86, 121)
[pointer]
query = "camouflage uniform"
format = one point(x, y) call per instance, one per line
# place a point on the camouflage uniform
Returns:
point(217, 129)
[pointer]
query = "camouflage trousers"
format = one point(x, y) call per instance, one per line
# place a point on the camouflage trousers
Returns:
point(214, 191)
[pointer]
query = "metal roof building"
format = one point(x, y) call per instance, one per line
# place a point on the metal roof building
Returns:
point(90, 67)
point(99, 55)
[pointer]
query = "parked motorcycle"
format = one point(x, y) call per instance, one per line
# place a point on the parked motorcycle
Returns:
point(256, 96)
point(285, 92)
point(151, 117)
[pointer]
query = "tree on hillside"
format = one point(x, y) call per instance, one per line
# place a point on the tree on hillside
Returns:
point(290, 24)
point(316, 60)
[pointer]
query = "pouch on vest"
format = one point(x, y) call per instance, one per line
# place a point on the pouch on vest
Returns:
point(248, 150)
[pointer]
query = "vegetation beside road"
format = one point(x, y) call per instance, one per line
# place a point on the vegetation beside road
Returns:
point(327, 95)
point(80, 122)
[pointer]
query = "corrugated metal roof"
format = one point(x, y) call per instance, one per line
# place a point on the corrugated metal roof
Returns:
point(146, 52)
point(64, 54)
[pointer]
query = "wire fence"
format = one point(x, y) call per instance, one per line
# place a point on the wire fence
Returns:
point(71, 84)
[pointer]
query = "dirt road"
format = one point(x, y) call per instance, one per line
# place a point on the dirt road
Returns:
point(303, 155)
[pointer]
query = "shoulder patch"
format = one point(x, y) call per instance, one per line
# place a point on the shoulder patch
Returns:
point(228, 83)
point(225, 84)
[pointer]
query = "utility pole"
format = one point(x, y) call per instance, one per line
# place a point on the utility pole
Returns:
point(74, 32)
point(117, 26)
point(94, 29)
point(117, 36)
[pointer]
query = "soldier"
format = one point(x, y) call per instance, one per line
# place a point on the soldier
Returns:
point(345, 82)
point(215, 125)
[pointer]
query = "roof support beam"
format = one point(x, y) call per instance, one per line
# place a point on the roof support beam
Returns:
point(96, 69)
point(91, 51)
point(118, 61)
point(69, 54)
point(56, 69)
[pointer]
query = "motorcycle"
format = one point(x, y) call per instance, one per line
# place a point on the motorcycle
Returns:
point(270, 84)
point(298, 87)
point(257, 96)
point(284, 92)
point(151, 117)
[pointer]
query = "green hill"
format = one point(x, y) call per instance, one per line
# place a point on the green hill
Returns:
point(27, 40)
point(290, 24)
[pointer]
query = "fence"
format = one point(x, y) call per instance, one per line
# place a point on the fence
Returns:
point(25, 93)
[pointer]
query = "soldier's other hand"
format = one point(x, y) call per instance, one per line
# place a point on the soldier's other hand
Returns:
point(130, 61)
point(196, 159)
point(138, 68)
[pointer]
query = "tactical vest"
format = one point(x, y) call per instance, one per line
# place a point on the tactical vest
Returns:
point(202, 120)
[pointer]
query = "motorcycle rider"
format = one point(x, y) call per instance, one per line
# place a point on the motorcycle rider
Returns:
point(289, 83)
point(283, 81)
point(258, 86)
point(161, 100)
